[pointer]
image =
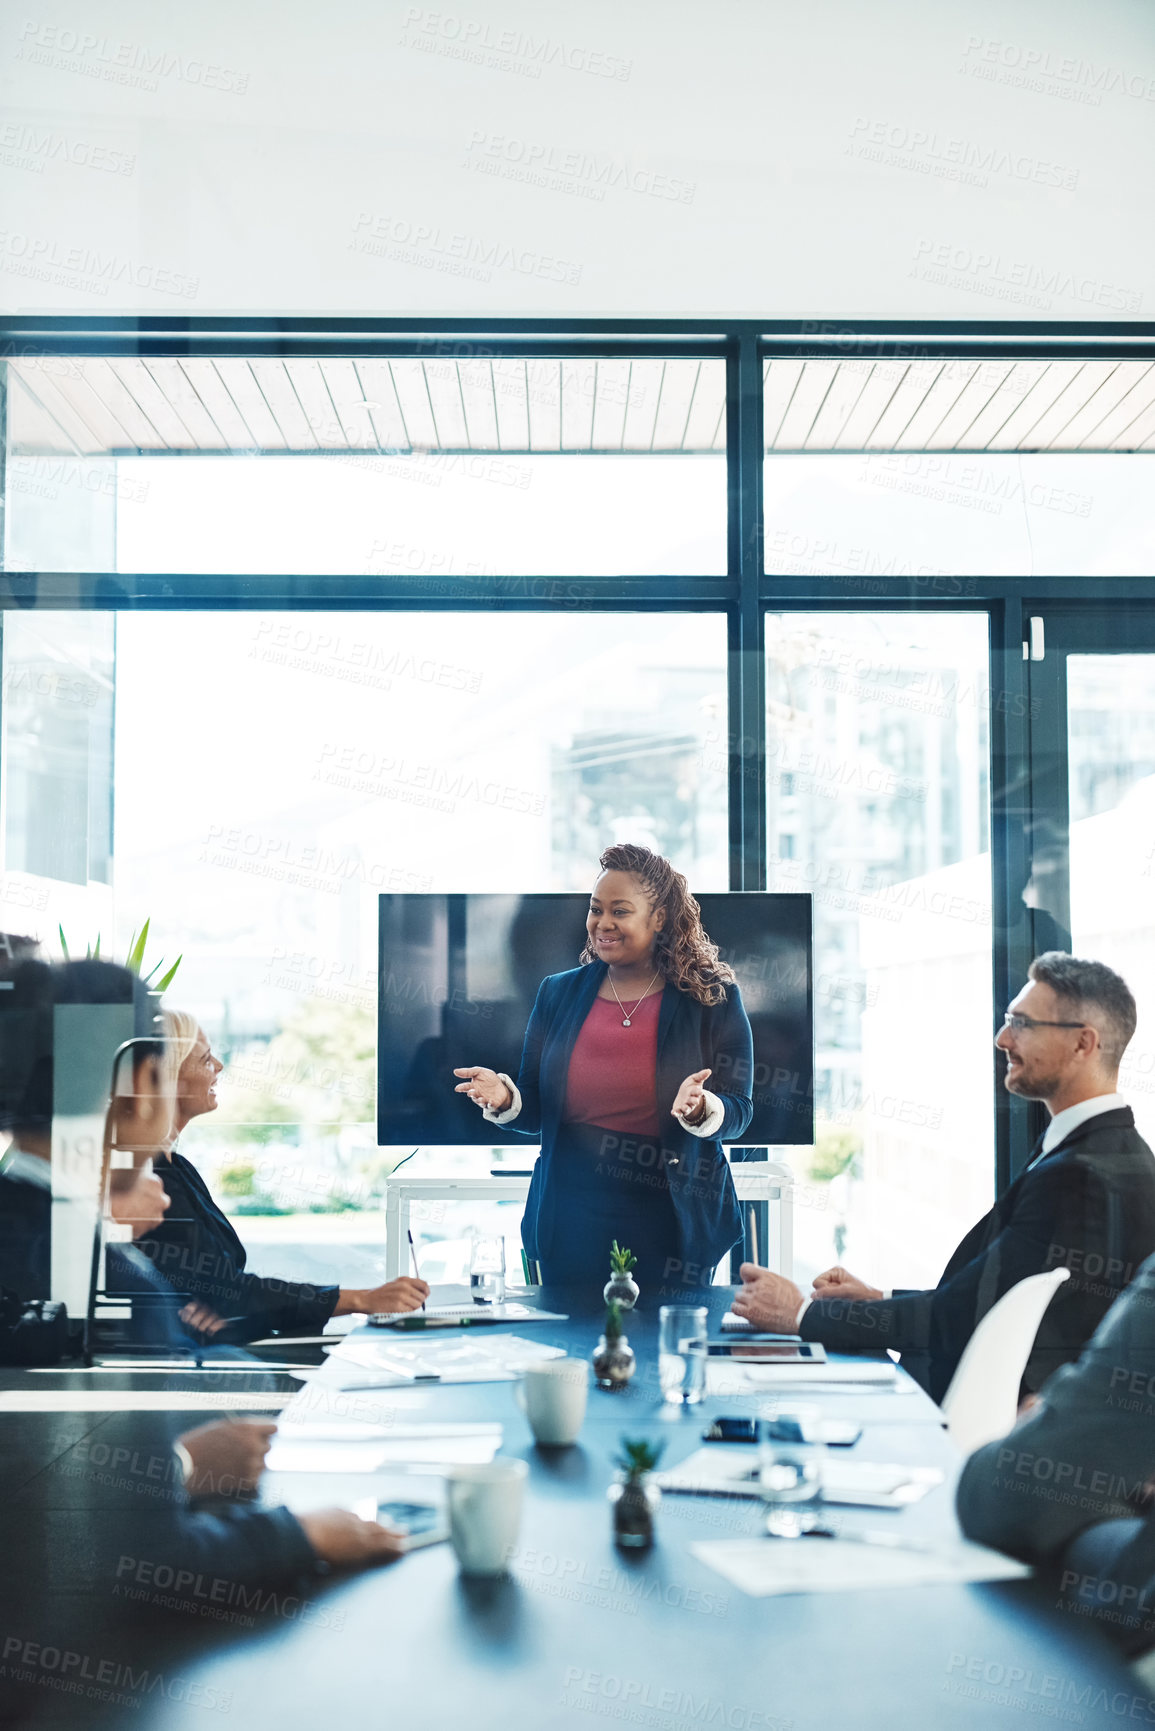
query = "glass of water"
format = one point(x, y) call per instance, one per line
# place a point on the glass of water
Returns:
point(682, 1352)
point(791, 1457)
point(487, 1271)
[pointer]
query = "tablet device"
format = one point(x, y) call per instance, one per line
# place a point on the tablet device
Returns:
point(421, 1523)
point(768, 1351)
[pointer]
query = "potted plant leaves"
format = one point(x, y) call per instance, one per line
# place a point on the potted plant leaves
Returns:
point(634, 1498)
point(621, 1286)
point(613, 1357)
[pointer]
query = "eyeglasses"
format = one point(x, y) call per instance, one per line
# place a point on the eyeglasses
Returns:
point(1020, 1024)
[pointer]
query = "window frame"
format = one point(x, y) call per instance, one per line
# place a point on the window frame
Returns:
point(745, 594)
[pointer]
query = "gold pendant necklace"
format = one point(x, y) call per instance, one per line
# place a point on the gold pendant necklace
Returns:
point(626, 1014)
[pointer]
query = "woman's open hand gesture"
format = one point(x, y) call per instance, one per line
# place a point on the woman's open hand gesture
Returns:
point(484, 1086)
point(690, 1100)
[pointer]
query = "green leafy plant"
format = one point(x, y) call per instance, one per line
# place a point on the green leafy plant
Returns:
point(638, 1457)
point(134, 959)
point(836, 1148)
point(613, 1328)
point(237, 1180)
point(621, 1261)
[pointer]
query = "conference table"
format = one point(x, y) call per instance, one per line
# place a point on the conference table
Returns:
point(577, 1633)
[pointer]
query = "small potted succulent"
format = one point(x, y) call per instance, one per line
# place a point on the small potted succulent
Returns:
point(613, 1357)
point(634, 1497)
point(621, 1285)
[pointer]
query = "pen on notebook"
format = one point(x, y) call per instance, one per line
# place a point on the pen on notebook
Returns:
point(753, 1220)
point(413, 1254)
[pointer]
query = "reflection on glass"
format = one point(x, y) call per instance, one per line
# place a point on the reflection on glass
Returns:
point(878, 805)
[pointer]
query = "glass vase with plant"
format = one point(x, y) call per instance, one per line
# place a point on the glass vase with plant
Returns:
point(613, 1357)
point(621, 1285)
point(634, 1497)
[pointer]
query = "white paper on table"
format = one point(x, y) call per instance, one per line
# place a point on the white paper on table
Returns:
point(733, 1472)
point(325, 1401)
point(292, 1429)
point(313, 1446)
point(291, 1456)
point(303, 1493)
point(456, 1358)
point(762, 1567)
point(731, 1376)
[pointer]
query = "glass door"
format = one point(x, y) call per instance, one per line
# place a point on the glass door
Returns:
point(1093, 885)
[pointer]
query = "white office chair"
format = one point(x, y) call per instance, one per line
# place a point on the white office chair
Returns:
point(982, 1400)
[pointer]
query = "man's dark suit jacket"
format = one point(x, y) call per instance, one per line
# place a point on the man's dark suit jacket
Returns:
point(1062, 1489)
point(691, 1036)
point(1087, 1206)
point(197, 1251)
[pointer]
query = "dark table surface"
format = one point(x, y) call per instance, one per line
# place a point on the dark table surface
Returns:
point(576, 1633)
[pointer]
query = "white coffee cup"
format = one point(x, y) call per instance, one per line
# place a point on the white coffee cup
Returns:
point(553, 1398)
point(485, 1514)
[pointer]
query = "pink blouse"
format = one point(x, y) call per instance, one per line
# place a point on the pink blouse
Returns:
point(612, 1077)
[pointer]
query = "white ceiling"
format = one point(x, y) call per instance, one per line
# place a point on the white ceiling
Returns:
point(94, 406)
point(959, 405)
point(146, 406)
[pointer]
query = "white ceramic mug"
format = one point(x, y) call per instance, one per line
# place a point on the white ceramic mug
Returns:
point(485, 1514)
point(553, 1398)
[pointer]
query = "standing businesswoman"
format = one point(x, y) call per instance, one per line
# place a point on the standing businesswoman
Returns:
point(612, 1081)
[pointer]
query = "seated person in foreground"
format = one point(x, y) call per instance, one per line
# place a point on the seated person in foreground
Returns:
point(199, 1253)
point(213, 1528)
point(1085, 1203)
point(218, 1462)
point(1070, 1487)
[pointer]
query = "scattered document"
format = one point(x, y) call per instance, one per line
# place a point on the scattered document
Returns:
point(735, 1376)
point(463, 1316)
point(388, 1358)
point(355, 1448)
point(867, 1562)
point(719, 1471)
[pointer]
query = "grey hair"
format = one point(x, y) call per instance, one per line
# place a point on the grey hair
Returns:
point(1096, 993)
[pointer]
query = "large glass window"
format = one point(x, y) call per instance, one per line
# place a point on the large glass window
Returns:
point(428, 468)
point(274, 772)
point(877, 790)
point(948, 470)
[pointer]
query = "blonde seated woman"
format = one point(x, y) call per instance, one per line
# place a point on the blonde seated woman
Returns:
point(198, 1251)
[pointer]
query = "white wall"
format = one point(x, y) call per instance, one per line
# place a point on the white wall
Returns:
point(234, 155)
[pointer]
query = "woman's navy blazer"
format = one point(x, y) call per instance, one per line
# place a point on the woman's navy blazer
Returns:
point(691, 1036)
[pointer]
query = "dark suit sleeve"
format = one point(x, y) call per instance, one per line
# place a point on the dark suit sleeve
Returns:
point(201, 1268)
point(198, 1253)
point(1084, 1454)
point(266, 1305)
point(1064, 1205)
point(733, 1067)
point(528, 1120)
point(243, 1546)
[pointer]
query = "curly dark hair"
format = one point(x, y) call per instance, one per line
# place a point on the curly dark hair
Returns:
point(683, 954)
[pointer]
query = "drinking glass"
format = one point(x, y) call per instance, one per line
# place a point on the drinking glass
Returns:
point(791, 1457)
point(487, 1271)
point(682, 1352)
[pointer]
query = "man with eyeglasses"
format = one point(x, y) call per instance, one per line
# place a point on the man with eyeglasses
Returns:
point(1085, 1202)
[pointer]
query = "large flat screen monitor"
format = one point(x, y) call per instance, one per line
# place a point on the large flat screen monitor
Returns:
point(458, 975)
